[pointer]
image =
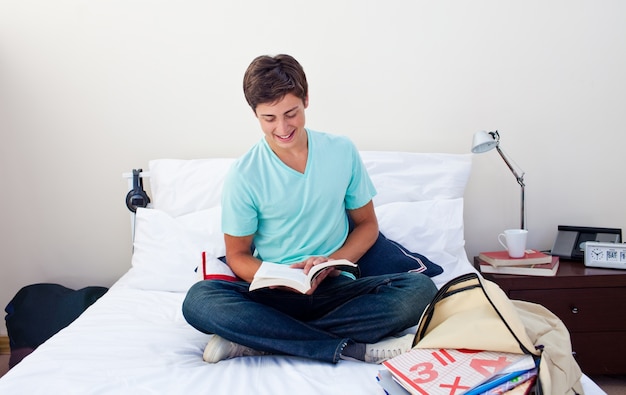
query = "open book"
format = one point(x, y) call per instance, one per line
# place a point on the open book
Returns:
point(276, 274)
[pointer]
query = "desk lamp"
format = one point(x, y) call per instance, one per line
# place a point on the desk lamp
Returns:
point(484, 142)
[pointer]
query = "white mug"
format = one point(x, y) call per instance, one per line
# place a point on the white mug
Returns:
point(514, 242)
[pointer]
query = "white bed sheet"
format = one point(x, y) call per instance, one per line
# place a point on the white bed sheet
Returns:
point(134, 341)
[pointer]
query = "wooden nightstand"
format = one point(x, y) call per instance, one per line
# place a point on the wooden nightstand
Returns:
point(592, 304)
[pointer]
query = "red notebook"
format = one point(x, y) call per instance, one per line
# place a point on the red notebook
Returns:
point(502, 258)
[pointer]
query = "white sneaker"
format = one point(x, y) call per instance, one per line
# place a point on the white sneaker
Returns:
point(219, 349)
point(388, 348)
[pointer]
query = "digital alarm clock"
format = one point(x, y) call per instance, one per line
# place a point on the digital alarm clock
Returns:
point(608, 255)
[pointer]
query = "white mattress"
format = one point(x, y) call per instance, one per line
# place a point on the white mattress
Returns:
point(134, 341)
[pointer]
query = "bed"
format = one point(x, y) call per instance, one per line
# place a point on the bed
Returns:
point(134, 340)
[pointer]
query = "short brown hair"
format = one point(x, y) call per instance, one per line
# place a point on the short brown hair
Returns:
point(268, 79)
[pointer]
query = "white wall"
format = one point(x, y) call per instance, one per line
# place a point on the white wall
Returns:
point(91, 89)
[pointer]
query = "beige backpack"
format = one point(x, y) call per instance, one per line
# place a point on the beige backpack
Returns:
point(474, 313)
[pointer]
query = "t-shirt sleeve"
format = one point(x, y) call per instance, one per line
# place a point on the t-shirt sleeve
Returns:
point(361, 188)
point(239, 215)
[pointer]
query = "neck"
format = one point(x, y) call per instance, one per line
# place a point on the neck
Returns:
point(294, 156)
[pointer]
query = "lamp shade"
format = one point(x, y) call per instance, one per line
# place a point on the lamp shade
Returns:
point(483, 142)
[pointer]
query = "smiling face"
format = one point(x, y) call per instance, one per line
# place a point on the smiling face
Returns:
point(282, 123)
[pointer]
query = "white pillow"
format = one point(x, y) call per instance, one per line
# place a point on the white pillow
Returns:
point(181, 186)
point(419, 205)
point(433, 228)
point(411, 177)
point(168, 250)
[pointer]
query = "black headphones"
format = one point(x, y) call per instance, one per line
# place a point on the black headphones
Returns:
point(137, 197)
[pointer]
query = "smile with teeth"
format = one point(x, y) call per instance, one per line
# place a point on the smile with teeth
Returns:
point(286, 137)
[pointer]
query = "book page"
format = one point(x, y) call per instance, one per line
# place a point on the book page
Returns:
point(335, 262)
point(277, 270)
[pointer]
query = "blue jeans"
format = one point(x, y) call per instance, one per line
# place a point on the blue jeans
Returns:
point(315, 326)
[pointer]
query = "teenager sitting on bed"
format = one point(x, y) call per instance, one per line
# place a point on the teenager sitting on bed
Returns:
point(288, 197)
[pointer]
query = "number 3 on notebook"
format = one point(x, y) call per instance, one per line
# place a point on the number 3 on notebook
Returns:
point(425, 371)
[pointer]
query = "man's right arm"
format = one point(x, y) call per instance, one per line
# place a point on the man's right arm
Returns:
point(239, 256)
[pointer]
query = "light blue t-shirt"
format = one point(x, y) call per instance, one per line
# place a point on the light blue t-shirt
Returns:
point(292, 215)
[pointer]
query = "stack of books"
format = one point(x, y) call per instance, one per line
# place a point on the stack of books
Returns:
point(533, 263)
point(456, 371)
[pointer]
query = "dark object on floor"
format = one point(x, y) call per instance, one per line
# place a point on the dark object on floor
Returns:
point(39, 311)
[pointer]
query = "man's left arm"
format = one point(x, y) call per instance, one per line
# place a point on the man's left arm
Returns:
point(363, 235)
